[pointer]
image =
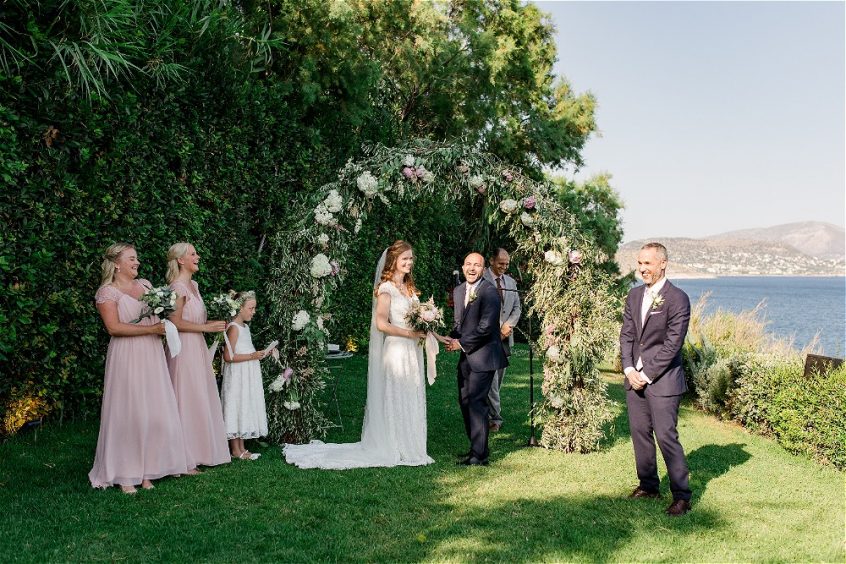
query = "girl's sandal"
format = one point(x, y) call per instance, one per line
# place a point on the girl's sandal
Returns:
point(128, 490)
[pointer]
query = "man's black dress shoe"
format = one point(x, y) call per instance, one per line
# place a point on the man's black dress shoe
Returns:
point(638, 493)
point(678, 508)
point(473, 461)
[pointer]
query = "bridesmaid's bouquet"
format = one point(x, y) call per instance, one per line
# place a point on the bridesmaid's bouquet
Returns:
point(224, 306)
point(425, 316)
point(159, 301)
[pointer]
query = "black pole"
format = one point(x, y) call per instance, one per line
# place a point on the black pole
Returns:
point(533, 442)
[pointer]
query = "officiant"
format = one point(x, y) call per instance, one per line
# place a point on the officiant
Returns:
point(508, 317)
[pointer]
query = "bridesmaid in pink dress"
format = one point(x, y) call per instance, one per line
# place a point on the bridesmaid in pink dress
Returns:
point(191, 370)
point(140, 432)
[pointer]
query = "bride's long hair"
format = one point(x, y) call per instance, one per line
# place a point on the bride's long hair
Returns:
point(393, 253)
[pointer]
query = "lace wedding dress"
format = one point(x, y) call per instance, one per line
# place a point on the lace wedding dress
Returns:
point(394, 430)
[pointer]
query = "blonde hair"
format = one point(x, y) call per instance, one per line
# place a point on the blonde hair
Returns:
point(110, 257)
point(175, 252)
point(394, 251)
point(244, 297)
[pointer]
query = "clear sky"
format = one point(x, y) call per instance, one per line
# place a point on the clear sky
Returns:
point(713, 116)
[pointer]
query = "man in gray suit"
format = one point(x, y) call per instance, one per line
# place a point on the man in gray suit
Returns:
point(655, 323)
point(508, 317)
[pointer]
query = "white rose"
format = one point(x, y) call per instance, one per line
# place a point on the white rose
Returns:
point(158, 310)
point(428, 176)
point(408, 161)
point(509, 206)
point(553, 353)
point(368, 184)
point(526, 219)
point(320, 266)
point(323, 239)
point(291, 405)
point(556, 401)
point(477, 181)
point(301, 319)
point(277, 385)
point(553, 257)
point(334, 202)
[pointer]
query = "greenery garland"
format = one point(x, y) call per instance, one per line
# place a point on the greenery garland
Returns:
point(570, 294)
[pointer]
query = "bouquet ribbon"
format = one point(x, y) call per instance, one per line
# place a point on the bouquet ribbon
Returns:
point(174, 345)
point(431, 346)
point(213, 348)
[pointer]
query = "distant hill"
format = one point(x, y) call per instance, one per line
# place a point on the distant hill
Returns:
point(813, 238)
point(796, 249)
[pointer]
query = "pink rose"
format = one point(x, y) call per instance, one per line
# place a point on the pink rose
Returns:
point(420, 172)
point(575, 257)
point(286, 376)
point(336, 268)
point(428, 316)
point(482, 189)
point(506, 174)
point(408, 172)
point(529, 203)
point(550, 329)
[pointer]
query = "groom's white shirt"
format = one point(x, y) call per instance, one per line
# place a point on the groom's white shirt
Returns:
point(469, 290)
point(648, 296)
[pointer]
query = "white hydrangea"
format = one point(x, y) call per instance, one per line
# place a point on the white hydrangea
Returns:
point(556, 401)
point(334, 202)
point(408, 161)
point(301, 319)
point(427, 175)
point(368, 184)
point(291, 405)
point(477, 182)
point(323, 239)
point(553, 353)
point(509, 206)
point(553, 257)
point(320, 266)
point(527, 219)
point(322, 215)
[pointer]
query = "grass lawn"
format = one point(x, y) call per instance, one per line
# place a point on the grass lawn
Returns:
point(752, 500)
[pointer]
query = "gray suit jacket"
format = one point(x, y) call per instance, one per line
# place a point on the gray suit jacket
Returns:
point(511, 309)
point(658, 341)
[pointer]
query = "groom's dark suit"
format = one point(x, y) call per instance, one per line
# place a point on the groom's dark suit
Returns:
point(477, 330)
point(657, 343)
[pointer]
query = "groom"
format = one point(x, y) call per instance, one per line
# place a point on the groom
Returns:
point(477, 335)
point(654, 326)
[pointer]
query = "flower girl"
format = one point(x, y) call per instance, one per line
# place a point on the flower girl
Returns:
point(242, 393)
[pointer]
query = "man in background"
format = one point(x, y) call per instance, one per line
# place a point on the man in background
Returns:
point(508, 318)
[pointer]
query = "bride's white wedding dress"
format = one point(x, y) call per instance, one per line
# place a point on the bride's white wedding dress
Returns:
point(394, 430)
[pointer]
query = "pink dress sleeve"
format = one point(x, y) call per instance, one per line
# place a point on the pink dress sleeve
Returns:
point(107, 294)
point(182, 290)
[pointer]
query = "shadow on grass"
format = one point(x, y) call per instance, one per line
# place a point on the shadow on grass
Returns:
point(712, 461)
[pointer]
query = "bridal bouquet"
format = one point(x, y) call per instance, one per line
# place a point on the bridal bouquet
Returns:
point(159, 301)
point(425, 316)
point(224, 306)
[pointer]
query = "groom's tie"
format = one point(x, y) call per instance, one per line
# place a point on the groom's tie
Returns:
point(499, 288)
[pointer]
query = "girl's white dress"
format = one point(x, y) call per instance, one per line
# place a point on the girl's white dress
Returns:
point(242, 393)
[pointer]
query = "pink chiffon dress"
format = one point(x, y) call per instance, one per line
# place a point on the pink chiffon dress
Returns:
point(140, 430)
point(196, 389)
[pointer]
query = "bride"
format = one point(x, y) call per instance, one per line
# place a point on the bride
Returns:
point(394, 430)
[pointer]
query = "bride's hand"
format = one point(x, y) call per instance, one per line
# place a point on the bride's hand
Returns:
point(416, 334)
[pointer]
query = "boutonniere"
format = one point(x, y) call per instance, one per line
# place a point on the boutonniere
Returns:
point(472, 297)
point(657, 301)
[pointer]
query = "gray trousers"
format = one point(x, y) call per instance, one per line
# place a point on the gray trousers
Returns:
point(654, 418)
point(494, 407)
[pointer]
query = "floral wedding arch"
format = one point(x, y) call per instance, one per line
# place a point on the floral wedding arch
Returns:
point(569, 293)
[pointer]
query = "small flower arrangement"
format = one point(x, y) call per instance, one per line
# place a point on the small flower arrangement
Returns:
point(425, 316)
point(159, 301)
point(526, 219)
point(657, 301)
point(553, 257)
point(281, 381)
point(472, 297)
point(224, 306)
point(509, 206)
